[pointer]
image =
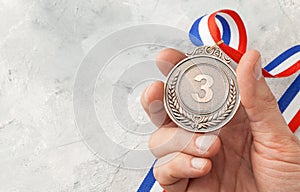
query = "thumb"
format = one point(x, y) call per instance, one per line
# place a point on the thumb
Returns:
point(260, 104)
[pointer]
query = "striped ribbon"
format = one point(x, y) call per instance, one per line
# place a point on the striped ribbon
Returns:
point(226, 29)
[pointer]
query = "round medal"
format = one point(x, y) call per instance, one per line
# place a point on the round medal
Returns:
point(201, 92)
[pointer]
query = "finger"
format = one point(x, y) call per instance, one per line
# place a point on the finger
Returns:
point(152, 102)
point(257, 98)
point(167, 59)
point(165, 141)
point(173, 170)
point(152, 97)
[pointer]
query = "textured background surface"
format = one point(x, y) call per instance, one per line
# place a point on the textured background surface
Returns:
point(42, 44)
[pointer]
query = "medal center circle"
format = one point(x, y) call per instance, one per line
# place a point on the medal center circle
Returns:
point(203, 88)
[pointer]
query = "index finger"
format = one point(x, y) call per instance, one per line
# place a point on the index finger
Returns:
point(167, 59)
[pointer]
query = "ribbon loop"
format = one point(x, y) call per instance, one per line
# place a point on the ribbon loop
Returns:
point(207, 30)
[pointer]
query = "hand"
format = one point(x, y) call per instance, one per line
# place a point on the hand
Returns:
point(255, 151)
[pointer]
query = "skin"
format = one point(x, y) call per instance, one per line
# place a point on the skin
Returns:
point(255, 151)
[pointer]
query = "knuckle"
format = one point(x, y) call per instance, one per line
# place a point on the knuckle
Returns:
point(165, 168)
point(155, 145)
point(270, 100)
point(173, 162)
point(263, 99)
point(268, 103)
point(157, 175)
point(152, 142)
point(160, 175)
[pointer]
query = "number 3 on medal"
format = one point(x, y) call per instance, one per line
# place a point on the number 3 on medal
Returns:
point(209, 81)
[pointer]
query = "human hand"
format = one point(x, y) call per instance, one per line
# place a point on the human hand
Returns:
point(255, 151)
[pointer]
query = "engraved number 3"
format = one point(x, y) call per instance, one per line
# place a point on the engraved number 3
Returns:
point(206, 87)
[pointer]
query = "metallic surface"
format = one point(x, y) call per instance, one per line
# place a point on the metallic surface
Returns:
point(201, 92)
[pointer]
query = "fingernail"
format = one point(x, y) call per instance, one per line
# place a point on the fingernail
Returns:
point(203, 142)
point(198, 163)
point(257, 69)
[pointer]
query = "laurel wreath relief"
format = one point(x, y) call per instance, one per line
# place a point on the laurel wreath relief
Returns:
point(200, 121)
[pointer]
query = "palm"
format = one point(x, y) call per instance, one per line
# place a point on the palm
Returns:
point(248, 164)
point(232, 165)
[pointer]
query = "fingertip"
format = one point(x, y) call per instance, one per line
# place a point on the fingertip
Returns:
point(154, 92)
point(248, 73)
point(167, 58)
point(142, 99)
point(207, 145)
point(251, 55)
point(201, 166)
point(213, 149)
point(173, 167)
point(170, 54)
point(247, 62)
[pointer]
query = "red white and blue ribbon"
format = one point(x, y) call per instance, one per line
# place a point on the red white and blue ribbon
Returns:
point(289, 104)
point(226, 29)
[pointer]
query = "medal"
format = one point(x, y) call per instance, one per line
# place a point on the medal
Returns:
point(204, 118)
point(201, 92)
